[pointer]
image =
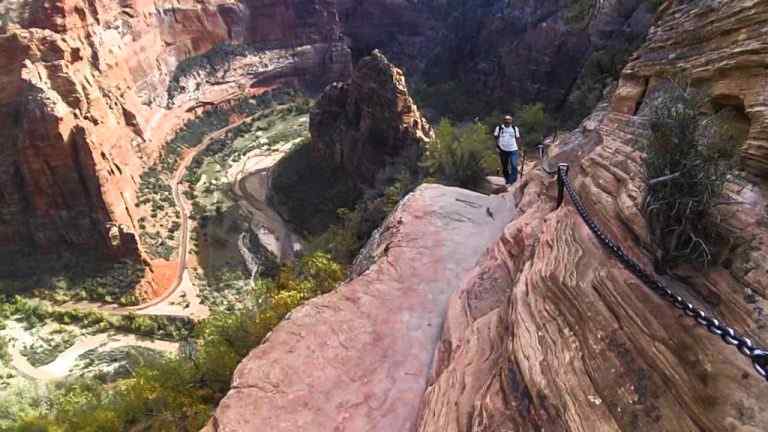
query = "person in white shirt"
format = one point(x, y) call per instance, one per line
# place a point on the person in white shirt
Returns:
point(507, 141)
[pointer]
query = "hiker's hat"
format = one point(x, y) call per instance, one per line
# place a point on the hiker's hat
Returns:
point(508, 118)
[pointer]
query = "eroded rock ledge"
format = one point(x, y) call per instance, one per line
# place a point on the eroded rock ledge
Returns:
point(358, 359)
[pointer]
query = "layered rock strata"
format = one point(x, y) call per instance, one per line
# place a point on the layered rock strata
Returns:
point(721, 49)
point(363, 123)
point(551, 333)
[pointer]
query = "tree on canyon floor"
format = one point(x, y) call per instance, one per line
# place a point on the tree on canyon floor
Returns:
point(694, 154)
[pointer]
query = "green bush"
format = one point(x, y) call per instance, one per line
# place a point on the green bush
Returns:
point(699, 151)
point(345, 238)
point(534, 123)
point(579, 12)
point(5, 356)
point(460, 157)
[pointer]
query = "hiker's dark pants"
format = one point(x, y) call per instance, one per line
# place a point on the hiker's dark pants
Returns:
point(509, 165)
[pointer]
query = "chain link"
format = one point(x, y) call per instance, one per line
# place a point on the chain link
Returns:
point(758, 356)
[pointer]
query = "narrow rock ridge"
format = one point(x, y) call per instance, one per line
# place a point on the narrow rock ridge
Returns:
point(357, 359)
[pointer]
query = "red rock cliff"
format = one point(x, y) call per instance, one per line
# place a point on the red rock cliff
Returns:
point(83, 98)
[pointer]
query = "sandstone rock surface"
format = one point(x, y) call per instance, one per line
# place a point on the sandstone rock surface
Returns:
point(357, 359)
point(722, 49)
point(363, 123)
point(552, 333)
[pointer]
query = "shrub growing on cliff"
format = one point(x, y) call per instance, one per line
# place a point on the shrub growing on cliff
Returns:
point(534, 122)
point(459, 156)
point(696, 152)
point(344, 239)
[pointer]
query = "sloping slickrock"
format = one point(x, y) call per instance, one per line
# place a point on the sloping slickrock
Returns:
point(357, 359)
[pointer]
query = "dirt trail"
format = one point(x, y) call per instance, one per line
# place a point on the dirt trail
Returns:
point(182, 283)
point(181, 204)
point(251, 185)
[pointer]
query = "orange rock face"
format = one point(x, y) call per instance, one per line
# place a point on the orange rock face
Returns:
point(84, 107)
point(721, 49)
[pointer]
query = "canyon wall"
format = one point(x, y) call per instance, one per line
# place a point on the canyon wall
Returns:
point(84, 105)
point(499, 53)
point(549, 332)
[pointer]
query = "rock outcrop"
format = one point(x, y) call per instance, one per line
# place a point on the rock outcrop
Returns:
point(357, 359)
point(551, 333)
point(720, 48)
point(84, 107)
point(363, 123)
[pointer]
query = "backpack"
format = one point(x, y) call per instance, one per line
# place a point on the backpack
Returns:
point(500, 128)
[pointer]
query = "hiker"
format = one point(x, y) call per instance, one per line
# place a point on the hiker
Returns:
point(507, 139)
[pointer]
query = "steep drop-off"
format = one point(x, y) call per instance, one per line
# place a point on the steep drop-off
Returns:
point(501, 53)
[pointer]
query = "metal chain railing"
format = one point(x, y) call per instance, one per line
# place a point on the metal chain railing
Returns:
point(758, 356)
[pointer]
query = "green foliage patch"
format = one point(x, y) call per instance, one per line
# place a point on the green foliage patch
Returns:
point(460, 156)
point(35, 313)
point(66, 278)
point(177, 393)
point(699, 151)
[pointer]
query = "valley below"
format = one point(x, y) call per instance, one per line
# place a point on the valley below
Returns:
point(234, 215)
point(205, 216)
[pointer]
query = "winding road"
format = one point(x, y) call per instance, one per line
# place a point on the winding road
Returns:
point(251, 185)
